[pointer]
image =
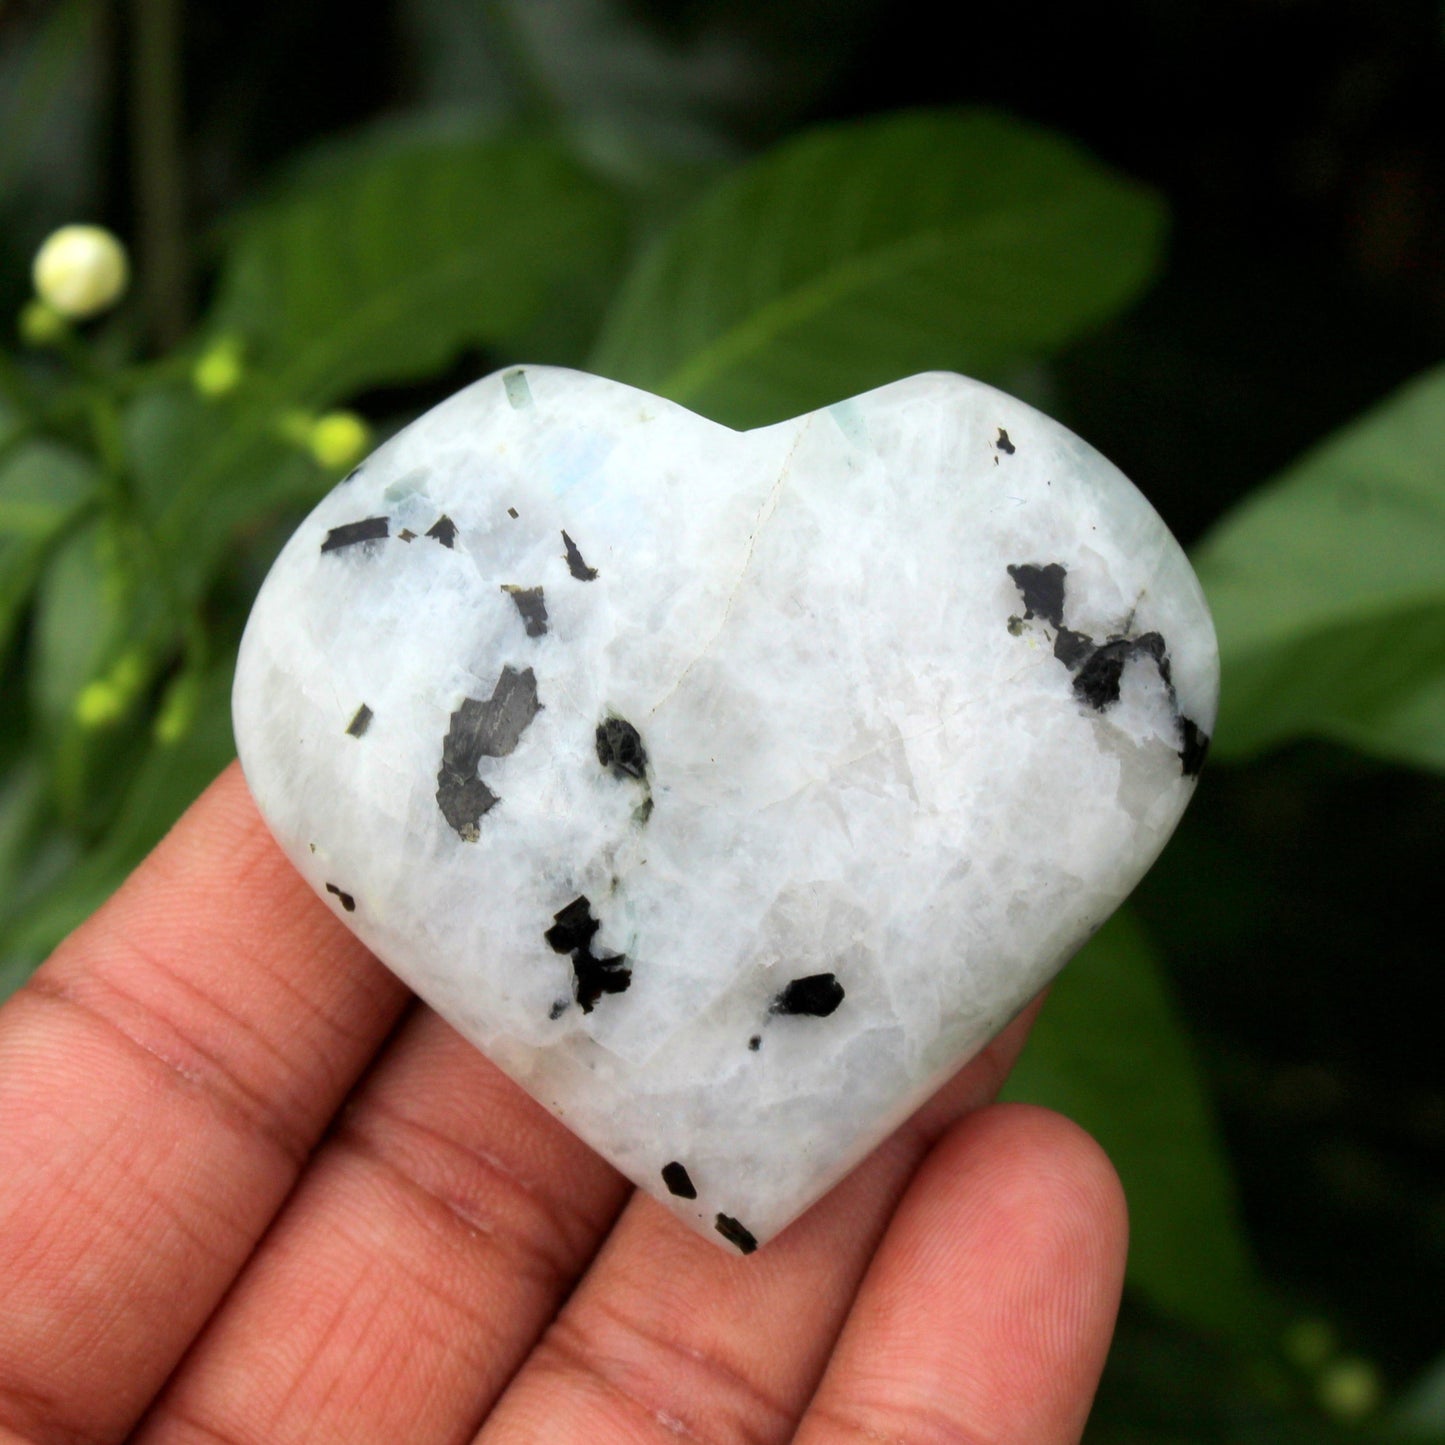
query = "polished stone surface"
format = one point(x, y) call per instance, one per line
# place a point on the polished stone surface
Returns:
point(728, 789)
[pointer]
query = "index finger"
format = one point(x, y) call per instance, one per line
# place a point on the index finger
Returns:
point(163, 1079)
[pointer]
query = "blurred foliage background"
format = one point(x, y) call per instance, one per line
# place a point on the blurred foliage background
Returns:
point(1206, 236)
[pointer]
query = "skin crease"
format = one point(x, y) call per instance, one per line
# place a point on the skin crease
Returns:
point(249, 1192)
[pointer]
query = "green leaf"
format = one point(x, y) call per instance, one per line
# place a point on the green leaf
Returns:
point(158, 791)
point(387, 267)
point(859, 253)
point(82, 617)
point(101, 618)
point(1110, 1052)
point(43, 489)
point(1328, 591)
point(380, 267)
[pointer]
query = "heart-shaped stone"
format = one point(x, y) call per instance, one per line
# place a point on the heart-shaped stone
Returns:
point(728, 789)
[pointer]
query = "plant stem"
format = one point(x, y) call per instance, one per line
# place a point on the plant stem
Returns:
point(158, 166)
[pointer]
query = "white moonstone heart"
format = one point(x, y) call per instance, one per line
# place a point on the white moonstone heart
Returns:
point(729, 789)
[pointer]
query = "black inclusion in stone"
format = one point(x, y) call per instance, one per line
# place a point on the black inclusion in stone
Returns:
point(1097, 680)
point(735, 1233)
point(343, 898)
point(532, 606)
point(1071, 648)
point(443, 530)
point(756, 1042)
point(478, 730)
point(677, 1181)
point(359, 724)
point(575, 565)
point(572, 927)
point(492, 729)
point(1042, 589)
point(619, 747)
point(1004, 444)
point(559, 1007)
point(817, 995)
point(572, 931)
point(369, 529)
point(1195, 749)
point(1098, 677)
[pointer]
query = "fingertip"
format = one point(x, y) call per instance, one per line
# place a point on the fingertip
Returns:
point(991, 1302)
point(1034, 1167)
point(1040, 1205)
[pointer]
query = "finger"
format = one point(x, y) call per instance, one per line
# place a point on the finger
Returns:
point(668, 1335)
point(435, 1235)
point(162, 1079)
point(988, 1311)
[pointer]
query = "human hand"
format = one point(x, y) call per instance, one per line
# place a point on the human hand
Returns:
point(248, 1194)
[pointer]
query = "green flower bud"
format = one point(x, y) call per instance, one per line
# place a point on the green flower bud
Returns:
point(41, 326)
point(177, 710)
point(99, 704)
point(1350, 1389)
point(81, 271)
point(339, 439)
point(129, 673)
point(219, 369)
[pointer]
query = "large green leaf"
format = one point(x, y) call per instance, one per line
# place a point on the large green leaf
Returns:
point(379, 267)
point(1110, 1052)
point(43, 489)
point(859, 253)
point(383, 269)
point(1328, 591)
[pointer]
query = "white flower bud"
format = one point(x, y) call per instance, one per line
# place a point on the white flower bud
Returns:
point(80, 271)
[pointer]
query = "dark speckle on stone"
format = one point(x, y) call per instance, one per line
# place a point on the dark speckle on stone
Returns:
point(575, 565)
point(369, 529)
point(572, 927)
point(1071, 647)
point(343, 898)
point(1042, 589)
point(572, 931)
point(513, 513)
point(1097, 680)
point(352, 475)
point(533, 607)
point(443, 530)
point(1003, 444)
point(619, 747)
point(678, 1182)
point(1195, 749)
point(817, 995)
point(478, 730)
point(359, 724)
point(559, 1007)
point(1015, 626)
point(406, 535)
point(735, 1233)
point(756, 1042)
